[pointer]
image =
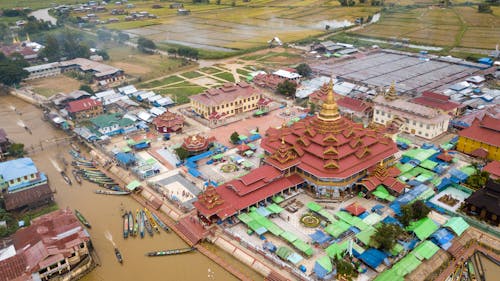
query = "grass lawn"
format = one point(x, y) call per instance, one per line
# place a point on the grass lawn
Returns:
point(191, 74)
point(53, 85)
point(225, 76)
point(242, 71)
point(162, 82)
point(181, 94)
point(142, 65)
point(210, 70)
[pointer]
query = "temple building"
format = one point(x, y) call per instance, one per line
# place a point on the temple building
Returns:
point(169, 122)
point(482, 138)
point(410, 117)
point(484, 203)
point(197, 144)
point(328, 151)
point(54, 247)
point(383, 177)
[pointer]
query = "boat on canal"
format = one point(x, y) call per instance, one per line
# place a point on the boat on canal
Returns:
point(160, 223)
point(82, 219)
point(125, 225)
point(130, 223)
point(170, 252)
point(136, 224)
point(141, 222)
point(77, 177)
point(147, 224)
point(118, 255)
point(111, 192)
point(66, 178)
point(153, 223)
point(75, 147)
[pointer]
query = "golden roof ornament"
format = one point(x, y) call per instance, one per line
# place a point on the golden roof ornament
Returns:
point(391, 93)
point(329, 109)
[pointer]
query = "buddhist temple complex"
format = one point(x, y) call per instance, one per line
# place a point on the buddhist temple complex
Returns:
point(169, 122)
point(384, 176)
point(196, 144)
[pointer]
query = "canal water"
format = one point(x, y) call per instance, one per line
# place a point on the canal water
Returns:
point(104, 212)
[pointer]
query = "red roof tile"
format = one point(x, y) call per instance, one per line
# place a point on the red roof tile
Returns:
point(82, 105)
point(353, 104)
point(355, 209)
point(227, 93)
point(490, 123)
point(169, 120)
point(482, 134)
point(435, 100)
point(493, 168)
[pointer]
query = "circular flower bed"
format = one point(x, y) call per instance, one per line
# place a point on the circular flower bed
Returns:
point(229, 168)
point(310, 220)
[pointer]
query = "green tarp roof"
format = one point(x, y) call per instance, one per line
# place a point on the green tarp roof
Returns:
point(428, 193)
point(337, 250)
point(251, 145)
point(397, 249)
point(389, 275)
point(303, 247)
point(274, 208)
point(278, 199)
point(313, 206)
point(423, 228)
point(245, 218)
point(337, 228)
point(365, 235)
point(284, 252)
point(345, 216)
point(247, 164)
point(403, 140)
point(404, 167)
point(274, 229)
point(382, 193)
point(425, 250)
point(372, 219)
point(420, 154)
point(218, 156)
point(324, 213)
point(469, 170)
point(457, 224)
point(428, 164)
point(126, 149)
point(133, 185)
point(406, 265)
point(288, 236)
point(325, 263)
point(242, 137)
point(359, 223)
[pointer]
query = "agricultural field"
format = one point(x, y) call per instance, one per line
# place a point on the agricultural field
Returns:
point(246, 25)
point(142, 65)
point(53, 85)
point(452, 27)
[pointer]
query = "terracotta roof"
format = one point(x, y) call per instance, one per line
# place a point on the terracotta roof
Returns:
point(386, 177)
point(169, 120)
point(227, 93)
point(355, 209)
point(490, 123)
point(435, 100)
point(493, 168)
point(82, 105)
point(480, 153)
point(353, 104)
point(239, 194)
point(30, 196)
point(482, 134)
point(12, 268)
point(268, 80)
point(196, 143)
point(445, 157)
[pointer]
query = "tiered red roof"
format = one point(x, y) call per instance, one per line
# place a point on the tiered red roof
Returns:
point(355, 209)
point(485, 131)
point(196, 143)
point(82, 105)
point(226, 200)
point(435, 100)
point(493, 168)
point(353, 104)
point(327, 145)
point(49, 239)
point(383, 176)
point(169, 121)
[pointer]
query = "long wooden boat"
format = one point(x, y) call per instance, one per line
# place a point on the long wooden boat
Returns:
point(136, 224)
point(153, 223)
point(111, 192)
point(141, 223)
point(66, 178)
point(125, 225)
point(82, 219)
point(118, 255)
point(170, 252)
point(77, 177)
point(130, 223)
point(147, 224)
point(75, 147)
point(160, 223)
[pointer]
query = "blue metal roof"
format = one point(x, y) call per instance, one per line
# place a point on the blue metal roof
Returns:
point(17, 168)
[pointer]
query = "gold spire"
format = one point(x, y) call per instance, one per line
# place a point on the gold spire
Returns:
point(329, 110)
point(391, 93)
point(28, 38)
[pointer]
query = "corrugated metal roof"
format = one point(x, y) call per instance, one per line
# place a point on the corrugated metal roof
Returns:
point(17, 168)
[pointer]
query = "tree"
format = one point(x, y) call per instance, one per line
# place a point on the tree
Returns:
point(11, 70)
point(172, 51)
point(312, 108)
point(234, 138)
point(51, 50)
point(182, 153)
point(414, 212)
point(103, 54)
point(286, 88)
point(343, 2)
point(145, 45)
point(479, 178)
point(484, 8)
point(103, 35)
point(122, 37)
point(16, 150)
point(11, 223)
point(304, 69)
point(345, 269)
point(385, 236)
point(86, 88)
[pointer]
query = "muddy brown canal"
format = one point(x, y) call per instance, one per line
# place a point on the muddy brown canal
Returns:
point(104, 212)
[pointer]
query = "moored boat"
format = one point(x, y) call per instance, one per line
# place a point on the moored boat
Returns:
point(111, 192)
point(125, 225)
point(130, 224)
point(136, 223)
point(75, 147)
point(66, 178)
point(170, 252)
point(153, 223)
point(76, 176)
point(82, 219)
point(147, 224)
point(118, 255)
point(160, 223)
point(141, 223)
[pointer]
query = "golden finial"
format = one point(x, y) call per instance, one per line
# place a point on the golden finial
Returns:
point(28, 38)
point(329, 110)
point(391, 93)
point(282, 140)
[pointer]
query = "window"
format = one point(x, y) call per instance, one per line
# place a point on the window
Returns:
point(382, 113)
point(414, 123)
point(388, 115)
point(428, 126)
point(25, 177)
point(426, 134)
